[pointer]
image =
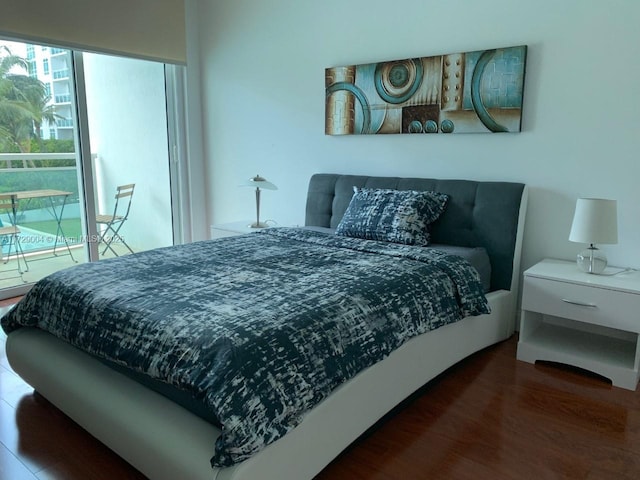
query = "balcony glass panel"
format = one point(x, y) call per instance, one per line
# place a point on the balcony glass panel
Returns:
point(59, 74)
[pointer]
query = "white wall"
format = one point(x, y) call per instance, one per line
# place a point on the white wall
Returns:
point(263, 62)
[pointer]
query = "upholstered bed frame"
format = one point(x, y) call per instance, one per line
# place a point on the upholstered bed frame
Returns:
point(165, 441)
point(481, 214)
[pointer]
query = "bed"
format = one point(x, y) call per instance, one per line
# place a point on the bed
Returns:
point(162, 436)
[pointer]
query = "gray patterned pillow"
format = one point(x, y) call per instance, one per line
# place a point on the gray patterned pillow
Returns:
point(398, 216)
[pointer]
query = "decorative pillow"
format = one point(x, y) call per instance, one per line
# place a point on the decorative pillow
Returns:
point(399, 216)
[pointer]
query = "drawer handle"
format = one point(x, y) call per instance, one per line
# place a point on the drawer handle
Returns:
point(581, 304)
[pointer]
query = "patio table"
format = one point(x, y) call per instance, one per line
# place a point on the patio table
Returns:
point(55, 212)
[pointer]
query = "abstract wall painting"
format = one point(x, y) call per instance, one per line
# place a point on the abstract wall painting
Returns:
point(473, 92)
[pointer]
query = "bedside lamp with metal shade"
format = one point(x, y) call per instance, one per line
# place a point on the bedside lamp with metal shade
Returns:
point(258, 182)
point(595, 221)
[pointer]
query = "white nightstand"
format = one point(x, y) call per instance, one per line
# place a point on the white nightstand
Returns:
point(589, 321)
point(232, 229)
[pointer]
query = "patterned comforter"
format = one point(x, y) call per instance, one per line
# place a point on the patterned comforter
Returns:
point(261, 327)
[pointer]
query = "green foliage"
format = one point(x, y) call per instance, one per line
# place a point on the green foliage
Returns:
point(38, 145)
point(52, 145)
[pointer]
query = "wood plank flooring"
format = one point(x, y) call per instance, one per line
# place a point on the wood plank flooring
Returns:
point(489, 417)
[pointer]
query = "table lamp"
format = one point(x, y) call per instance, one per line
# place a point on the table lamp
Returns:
point(595, 221)
point(258, 182)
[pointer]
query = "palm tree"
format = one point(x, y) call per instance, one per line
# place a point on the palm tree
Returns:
point(34, 94)
point(10, 109)
point(23, 104)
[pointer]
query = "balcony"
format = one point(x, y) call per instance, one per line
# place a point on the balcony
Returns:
point(62, 99)
point(61, 74)
point(64, 123)
point(36, 217)
point(130, 149)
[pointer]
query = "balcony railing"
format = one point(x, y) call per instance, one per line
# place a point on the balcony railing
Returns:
point(63, 98)
point(36, 171)
point(10, 160)
point(58, 74)
point(41, 171)
point(64, 122)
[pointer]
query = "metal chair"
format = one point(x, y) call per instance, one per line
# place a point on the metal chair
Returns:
point(114, 222)
point(9, 205)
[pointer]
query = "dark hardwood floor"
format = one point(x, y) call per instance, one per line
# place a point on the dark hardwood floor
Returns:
point(489, 417)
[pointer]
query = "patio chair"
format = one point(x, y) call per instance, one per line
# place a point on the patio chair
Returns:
point(113, 223)
point(9, 233)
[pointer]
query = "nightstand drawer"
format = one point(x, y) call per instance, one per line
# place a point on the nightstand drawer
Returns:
point(600, 306)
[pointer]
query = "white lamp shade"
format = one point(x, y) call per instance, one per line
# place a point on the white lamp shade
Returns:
point(595, 221)
point(259, 182)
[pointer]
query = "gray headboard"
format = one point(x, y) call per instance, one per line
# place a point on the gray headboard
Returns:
point(478, 214)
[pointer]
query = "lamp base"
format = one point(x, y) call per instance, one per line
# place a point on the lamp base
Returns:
point(258, 225)
point(592, 261)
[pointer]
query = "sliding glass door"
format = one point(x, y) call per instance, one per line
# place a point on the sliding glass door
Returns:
point(127, 120)
point(79, 133)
